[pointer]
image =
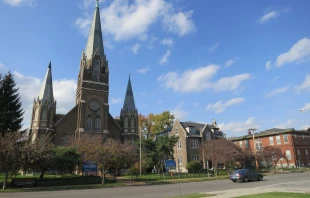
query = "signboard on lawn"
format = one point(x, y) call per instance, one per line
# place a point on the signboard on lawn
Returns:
point(89, 167)
point(170, 164)
point(23, 182)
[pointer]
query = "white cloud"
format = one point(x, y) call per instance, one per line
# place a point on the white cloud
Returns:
point(83, 23)
point(230, 83)
point(144, 70)
point(160, 101)
point(268, 65)
point(230, 62)
point(196, 104)
point(116, 100)
point(239, 128)
point(270, 15)
point(165, 57)
point(274, 79)
point(219, 106)
point(305, 127)
point(167, 42)
point(179, 113)
point(214, 47)
point(30, 3)
point(298, 53)
point(124, 19)
point(29, 87)
point(288, 124)
point(135, 48)
point(199, 80)
point(180, 23)
point(305, 85)
point(306, 107)
point(277, 91)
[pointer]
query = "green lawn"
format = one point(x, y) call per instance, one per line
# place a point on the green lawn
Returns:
point(51, 182)
point(195, 195)
point(277, 195)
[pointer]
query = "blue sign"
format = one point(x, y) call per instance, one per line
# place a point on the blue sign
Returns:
point(89, 167)
point(170, 164)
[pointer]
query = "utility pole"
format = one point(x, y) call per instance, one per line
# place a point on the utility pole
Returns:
point(140, 153)
point(254, 148)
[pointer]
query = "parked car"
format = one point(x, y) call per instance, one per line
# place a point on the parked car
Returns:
point(245, 175)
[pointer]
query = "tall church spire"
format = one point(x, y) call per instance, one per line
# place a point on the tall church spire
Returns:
point(46, 92)
point(129, 102)
point(95, 40)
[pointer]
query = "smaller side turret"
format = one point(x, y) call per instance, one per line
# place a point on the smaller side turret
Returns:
point(44, 109)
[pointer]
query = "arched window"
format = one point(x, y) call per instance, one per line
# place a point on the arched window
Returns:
point(96, 70)
point(88, 123)
point(126, 122)
point(44, 114)
point(97, 124)
point(36, 114)
point(132, 124)
point(52, 116)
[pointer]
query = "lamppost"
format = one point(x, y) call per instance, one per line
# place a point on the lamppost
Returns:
point(254, 148)
point(140, 153)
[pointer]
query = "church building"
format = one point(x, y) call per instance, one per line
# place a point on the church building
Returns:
point(90, 114)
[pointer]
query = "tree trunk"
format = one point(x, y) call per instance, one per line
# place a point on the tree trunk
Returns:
point(102, 174)
point(41, 175)
point(5, 180)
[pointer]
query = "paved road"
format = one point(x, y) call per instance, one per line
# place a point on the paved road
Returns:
point(280, 181)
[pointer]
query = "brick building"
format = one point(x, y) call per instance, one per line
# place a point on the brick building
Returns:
point(294, 143)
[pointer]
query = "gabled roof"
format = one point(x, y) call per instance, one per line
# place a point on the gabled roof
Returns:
point(198, 127)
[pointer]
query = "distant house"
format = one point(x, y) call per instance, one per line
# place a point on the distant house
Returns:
point(294, 143)
point(191, 134)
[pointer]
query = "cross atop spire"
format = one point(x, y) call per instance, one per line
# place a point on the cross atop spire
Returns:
point(97, 4)
point(46, 92)
point(95, 41)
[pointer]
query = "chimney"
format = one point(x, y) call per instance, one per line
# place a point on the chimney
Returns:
point(249, 132)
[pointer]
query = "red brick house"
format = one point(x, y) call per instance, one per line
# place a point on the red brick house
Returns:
point(294, 143)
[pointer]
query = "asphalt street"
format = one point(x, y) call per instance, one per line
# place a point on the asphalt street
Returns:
point(293, 181)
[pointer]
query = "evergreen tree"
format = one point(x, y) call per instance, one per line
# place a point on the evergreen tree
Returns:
point(11, 112)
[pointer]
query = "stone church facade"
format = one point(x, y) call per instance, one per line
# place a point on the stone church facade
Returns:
point(90, 114)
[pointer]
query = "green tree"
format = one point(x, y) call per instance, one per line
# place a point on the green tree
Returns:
point(194, 166)
point(11, 112)
point(149, 153)
point(162, 121)
point(66, 159)
point(164, 148)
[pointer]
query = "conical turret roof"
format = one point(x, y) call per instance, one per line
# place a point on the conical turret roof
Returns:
point(95, 40)
point(129, 102)
point(46, 92)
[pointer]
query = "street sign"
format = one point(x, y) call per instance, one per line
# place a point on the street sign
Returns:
point(89, 167)
point(170, 164)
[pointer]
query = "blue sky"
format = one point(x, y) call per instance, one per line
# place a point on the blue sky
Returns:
point(243, 63)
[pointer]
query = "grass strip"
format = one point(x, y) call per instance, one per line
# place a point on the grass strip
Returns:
point(277, 195)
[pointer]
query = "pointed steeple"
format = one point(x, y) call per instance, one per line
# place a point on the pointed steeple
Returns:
point(46, 92)
point(129, 102)
point(95, 40)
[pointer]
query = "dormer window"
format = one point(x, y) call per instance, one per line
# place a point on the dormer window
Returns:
point(191, 129)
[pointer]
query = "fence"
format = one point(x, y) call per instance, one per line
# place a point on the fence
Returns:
point(171, 176)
